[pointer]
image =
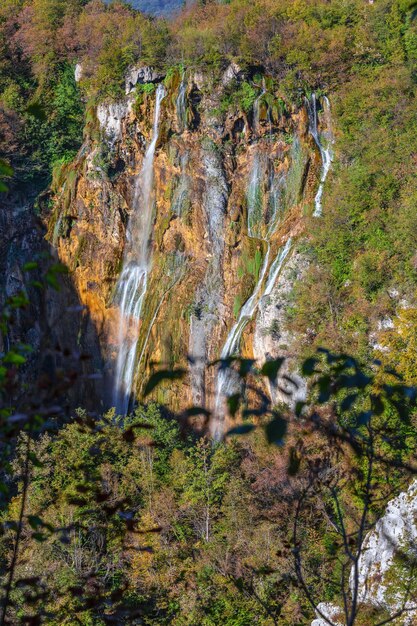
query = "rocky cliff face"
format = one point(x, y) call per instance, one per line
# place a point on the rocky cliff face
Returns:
point(232, 187)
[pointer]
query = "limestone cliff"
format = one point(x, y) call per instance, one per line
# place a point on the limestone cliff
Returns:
point(234, 180)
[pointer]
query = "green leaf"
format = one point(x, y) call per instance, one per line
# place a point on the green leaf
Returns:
point(5, 169)
point(14, 358)
point(32, 265)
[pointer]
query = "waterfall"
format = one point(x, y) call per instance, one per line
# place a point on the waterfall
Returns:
point(226, 381)
point(256, 108)
point(276, 202)
point(326, 153)
point(261, 225)
point(132, 284)
point(276, 268)
point(181, 104)
point(254, 198)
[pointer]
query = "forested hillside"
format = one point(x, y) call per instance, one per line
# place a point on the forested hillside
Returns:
point(233, 187)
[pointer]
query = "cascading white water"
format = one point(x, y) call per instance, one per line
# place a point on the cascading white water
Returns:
point(226, 381)
point(181, 104)
point(133, 281)
point(276, 268)
point(254, 198)
point(326, 153)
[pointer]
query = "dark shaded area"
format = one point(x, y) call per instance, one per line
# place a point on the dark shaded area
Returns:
point(53, 318)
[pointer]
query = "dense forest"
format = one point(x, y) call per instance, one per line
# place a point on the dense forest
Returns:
point(144, 517)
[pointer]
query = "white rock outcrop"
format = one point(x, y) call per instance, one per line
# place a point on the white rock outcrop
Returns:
point(395, 534)
point(78, 72)
point(232, 72)
point(271, 339)
point(331, 612)
point(111, 117)
point(141, 75)
point(381, 575)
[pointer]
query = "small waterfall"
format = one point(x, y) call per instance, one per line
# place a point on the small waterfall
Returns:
point(276, 268)
point(276, 201)
point(226, 381)
point(254, 198)
point(181, 104)
point(264, 210)
point(256, 109)
point(326, 153)
point(133, 281)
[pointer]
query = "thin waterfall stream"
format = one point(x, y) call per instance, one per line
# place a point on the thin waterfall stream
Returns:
point(133, 281)
point(326, 153)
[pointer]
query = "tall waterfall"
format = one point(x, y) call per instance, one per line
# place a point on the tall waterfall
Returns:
point(326, 153)
point(132, 285)
point(261, 224)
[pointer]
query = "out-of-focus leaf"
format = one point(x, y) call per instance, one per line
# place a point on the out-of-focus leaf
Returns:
point(36, 110)
point(271, 369)
point(34, 521)
point(194, 411)
point(377, 405)
point(245, 366)
point(32, 265)
point(243, 429)
point(309, 366)
point(294, 461)
point(364, 417)
point(299, 407)
point(233, 403)
point(276, 429)
point(5, 169)
point(160, 376)
point(34, 460)
point(324, 385)
point(348, 401)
